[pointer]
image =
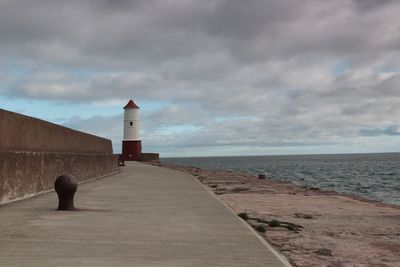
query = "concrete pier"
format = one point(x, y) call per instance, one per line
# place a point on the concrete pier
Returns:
point(143, 216)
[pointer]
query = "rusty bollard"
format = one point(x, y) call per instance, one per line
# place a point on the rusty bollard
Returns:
point(66, 187)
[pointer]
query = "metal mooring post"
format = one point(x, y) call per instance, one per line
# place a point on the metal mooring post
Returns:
point(66, 187)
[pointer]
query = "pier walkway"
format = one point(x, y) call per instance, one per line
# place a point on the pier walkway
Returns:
point(143, 216)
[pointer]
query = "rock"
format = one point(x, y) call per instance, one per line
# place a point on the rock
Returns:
point(336, 264)
point(331, 234)
point(314, 188)
point(262, 176)
point(303, 215)
point(237, 189)
point(323, 252)
point(274, 223)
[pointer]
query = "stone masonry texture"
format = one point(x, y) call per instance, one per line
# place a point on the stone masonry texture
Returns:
point(33, 153)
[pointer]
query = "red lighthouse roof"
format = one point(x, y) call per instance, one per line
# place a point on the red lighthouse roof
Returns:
point(131, 104)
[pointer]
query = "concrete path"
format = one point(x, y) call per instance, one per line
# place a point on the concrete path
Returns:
point(143, 216)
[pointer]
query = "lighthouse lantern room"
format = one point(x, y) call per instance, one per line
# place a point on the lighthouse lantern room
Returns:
point(131, 143)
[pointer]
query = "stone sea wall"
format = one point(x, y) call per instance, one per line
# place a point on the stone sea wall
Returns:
point(23, 133)
point(33, 153)
point(150, 157)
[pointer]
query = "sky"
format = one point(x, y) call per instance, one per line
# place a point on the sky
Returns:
point(211, 77)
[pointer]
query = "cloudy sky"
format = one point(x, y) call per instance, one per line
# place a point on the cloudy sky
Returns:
point(212, 77)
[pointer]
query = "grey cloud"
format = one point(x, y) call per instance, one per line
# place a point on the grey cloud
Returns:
point(392, 130)
point(106, 126)
point(176, 115)
point(147, 32)
point(372, 4)
point(64, 86)
point(371, 132)
point(389, 130)
point(252, 132)
point(235, 19)
point(272, 61)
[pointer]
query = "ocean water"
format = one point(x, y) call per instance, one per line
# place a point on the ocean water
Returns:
point(373, 176)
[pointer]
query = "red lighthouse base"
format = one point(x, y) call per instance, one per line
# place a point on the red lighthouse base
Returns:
point(131, 150)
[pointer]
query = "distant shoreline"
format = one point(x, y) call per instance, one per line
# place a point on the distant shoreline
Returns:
point(287, 155)
point(321, 191)
point(371, 176)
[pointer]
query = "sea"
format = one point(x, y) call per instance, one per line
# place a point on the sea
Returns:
point(372, 176)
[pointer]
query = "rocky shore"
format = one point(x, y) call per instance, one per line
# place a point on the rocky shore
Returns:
point(311, 227)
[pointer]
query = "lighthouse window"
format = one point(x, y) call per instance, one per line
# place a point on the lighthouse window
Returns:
point(131, 123)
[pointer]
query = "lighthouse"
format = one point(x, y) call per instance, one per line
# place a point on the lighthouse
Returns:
point(131, 143)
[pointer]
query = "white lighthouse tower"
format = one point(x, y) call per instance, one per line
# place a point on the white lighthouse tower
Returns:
point(131, 143)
